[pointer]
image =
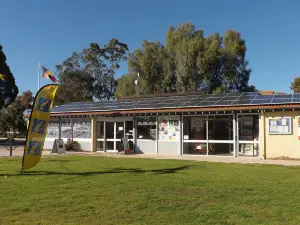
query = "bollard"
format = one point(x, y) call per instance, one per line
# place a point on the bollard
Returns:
point(10, 147)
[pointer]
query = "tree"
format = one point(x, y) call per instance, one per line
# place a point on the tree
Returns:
point(12, 117)
point(126, 86)
point(295, 85)
point(97, 66)
point(8, 88)
point(76, 86)
point(190, 61)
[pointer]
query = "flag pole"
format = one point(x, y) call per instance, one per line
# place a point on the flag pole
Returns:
point(39, 65)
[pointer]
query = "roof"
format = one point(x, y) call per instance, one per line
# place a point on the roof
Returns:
point(178, 103)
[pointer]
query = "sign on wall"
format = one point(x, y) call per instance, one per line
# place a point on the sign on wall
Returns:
point(280, 125)
point(169, 128)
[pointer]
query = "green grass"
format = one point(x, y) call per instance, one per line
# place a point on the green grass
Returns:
point(98, 190)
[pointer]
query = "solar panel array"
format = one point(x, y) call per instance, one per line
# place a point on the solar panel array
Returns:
point(180, 101)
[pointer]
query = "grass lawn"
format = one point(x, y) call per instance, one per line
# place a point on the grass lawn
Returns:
point(98, 190)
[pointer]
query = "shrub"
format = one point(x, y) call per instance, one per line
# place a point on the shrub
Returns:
point(72, 145)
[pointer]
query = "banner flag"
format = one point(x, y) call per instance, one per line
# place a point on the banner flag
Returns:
point(38, 124)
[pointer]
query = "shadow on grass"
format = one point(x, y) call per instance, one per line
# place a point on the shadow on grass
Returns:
point(110, 171)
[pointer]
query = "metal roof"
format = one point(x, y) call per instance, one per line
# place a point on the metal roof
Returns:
point(154, 103)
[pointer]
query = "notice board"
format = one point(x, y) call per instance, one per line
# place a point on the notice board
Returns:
point(280, 125)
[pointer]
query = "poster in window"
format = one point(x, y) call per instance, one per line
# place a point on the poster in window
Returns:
point(280, 125)
point(53, 130)
point(66, 129)
point(82, 129)
point(169, 128)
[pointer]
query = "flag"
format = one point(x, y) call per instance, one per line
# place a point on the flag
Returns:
point(1, 77)
point(48, 75)
point(38, 123)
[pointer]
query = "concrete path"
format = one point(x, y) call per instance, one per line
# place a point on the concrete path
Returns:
point(222, 159)
point(18, 152)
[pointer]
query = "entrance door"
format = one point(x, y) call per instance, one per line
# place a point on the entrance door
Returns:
point(119, 135)
point(110, 136)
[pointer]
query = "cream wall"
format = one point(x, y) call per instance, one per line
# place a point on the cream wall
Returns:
point(281, 145)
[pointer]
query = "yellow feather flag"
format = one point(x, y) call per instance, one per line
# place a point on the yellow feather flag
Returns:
point(38, 124)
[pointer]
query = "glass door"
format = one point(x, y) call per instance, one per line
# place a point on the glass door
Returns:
point(110, 136)
point(100, 135)
point(119, 135)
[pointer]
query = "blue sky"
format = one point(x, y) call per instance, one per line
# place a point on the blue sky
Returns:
point(49, 31)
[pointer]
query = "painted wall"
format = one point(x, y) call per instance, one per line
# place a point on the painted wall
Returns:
point(281, 145)
point(168, 148)
point(145, 146)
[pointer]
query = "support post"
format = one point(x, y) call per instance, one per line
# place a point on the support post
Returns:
point(235, 138)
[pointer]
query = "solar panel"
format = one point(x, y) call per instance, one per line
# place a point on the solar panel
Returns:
point(231, 98)
point(224, 102)
point(207, 103)
point(235, 94)
point(281, 100)
point(249, 98)
point(242, 102)
point(296, 100)
point(261, 101)
point(283, 96)
point(260, 97)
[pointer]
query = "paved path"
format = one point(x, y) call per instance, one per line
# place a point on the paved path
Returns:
point(223, 159)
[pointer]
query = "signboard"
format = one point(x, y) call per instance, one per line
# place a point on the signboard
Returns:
point(280, 125)
point(169, 128)
point(59, 146)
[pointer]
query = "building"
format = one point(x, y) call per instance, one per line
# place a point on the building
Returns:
point(252, 124)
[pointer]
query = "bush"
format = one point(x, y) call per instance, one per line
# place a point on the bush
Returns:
point(72, 145)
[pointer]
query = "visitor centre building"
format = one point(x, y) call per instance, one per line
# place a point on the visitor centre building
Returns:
point(264, 125)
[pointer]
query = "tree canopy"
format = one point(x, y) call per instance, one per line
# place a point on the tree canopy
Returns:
point(8, 87)
point(90, 74)
point(295, 85)
point(188, 61)
point(12, 117)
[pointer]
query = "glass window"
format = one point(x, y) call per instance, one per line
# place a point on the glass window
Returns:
point(194, 128)
point(225, 149)
point(248, 128)
point(100, 145)
point(248, 149)
point(220, 128)
point(195, 148)
point(120, 130)
point(110, 130)
point(146, 128)
point(100, 129)
point(129, 129)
